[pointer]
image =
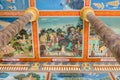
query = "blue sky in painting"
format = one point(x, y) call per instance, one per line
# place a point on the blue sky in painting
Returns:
point(1, 27)
point(49, 4)
point(57, 22)
point(86, 76)
point(59, 4)
point(112, 22)
point(14, 4)
point(12, 19)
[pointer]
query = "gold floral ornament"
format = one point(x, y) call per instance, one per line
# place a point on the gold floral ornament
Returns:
point(84, 11)
point(35, 13)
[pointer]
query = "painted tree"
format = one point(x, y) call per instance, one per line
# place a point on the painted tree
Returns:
point(34, 75)
point(17, 46)
point(59, 31)
point(118, 77)
point(21, 33)
point(20, 76)
point(53, 77)
point(80, 24)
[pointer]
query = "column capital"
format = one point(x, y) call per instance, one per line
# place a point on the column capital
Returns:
point(84, 11)
point(35, 13)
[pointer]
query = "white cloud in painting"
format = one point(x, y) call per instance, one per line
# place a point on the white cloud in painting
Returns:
point(43, 19)
point(87, 79)
point(4, 23)
point(61, 79)
point(117, 30)
point(10, 78)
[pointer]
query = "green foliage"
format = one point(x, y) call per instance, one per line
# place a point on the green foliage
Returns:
point(23, 32)
point(20, 47)
point(34, 75)
point(20, 76)
point(106, 78)
point(80, 24)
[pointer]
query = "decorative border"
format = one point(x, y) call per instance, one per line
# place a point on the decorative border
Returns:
point(60, 13)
